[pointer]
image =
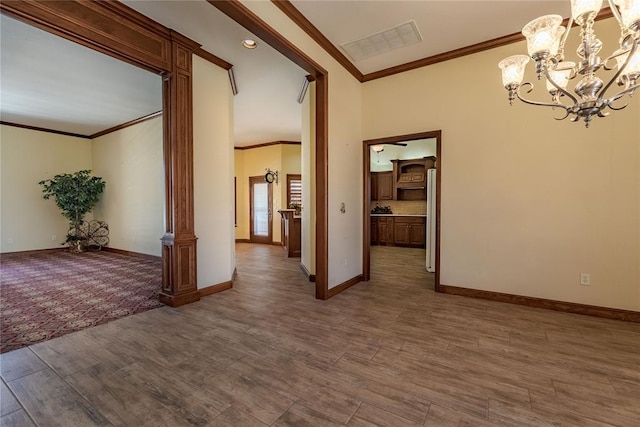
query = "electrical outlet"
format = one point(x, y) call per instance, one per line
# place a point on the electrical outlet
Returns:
point(10, 240)
point(54, 237)
point(585, 279)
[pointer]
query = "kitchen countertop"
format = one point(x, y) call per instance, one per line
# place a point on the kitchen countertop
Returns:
point(423, 216)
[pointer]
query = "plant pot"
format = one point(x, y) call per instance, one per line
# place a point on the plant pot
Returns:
point(77, 246)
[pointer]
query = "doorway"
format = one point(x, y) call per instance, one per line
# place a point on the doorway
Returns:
point(400, 191)
point(260, 213)
point(130, 41)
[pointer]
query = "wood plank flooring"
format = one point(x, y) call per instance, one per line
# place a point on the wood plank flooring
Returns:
point(389, 352)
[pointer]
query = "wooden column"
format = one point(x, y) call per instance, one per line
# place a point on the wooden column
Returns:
point(179, 274)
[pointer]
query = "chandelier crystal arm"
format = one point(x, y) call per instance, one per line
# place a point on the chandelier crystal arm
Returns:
point(624, 92)
point(619, 95)
point(617, 108)
point(541, 104)
point(634, 48)
point(564, 38)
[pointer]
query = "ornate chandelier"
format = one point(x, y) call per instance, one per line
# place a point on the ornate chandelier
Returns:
point(545, 42)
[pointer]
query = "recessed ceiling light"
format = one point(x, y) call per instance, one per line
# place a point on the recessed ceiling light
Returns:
point(249, 44)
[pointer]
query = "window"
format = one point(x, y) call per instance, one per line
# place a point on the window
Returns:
point(294, 189)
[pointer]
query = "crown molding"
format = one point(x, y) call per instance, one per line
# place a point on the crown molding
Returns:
point(463, 51)
point(39, 129)
point(93, 136)
point(126, 125)
point(208, 56)
point(268, 144)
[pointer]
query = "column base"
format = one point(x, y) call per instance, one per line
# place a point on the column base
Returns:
point(178, 300)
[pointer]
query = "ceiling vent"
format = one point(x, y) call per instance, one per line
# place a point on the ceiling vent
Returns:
point(384, 41)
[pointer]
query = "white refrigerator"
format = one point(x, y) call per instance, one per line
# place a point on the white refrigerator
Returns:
point(431, 220)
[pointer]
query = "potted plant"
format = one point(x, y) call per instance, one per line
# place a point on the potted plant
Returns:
point(75, 194)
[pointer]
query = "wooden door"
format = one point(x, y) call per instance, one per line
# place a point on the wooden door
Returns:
point(417, 233)
point(260, 210)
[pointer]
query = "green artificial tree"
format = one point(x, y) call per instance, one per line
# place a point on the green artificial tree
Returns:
point(75, 194)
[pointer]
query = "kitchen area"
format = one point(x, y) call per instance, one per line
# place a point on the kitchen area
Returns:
point(402, 183)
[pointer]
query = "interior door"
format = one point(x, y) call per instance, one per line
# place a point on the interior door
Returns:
point(260, 210)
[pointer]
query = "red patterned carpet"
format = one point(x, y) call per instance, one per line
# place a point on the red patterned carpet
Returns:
point(50, 294)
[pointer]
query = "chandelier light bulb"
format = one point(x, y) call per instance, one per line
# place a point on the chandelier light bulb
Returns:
point(513, 69)
point(561, 75)
point(630, 12)
point(583, 9)
point(634, 64)
point(633, 68)
point(543, 35)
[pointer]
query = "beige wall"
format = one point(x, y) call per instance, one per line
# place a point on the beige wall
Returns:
point(130, 161)
point(213, 170)
point(345, 148)
point(285, 159)
point(27, 157)
point(291, 165)
point(528, 203)
point(254, 162)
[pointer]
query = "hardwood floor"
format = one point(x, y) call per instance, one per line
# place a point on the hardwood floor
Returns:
point(389, 352)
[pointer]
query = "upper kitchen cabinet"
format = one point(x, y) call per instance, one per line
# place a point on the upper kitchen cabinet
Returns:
point(410, 178)
point(381, 186)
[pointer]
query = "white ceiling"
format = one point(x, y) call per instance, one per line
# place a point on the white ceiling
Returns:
point(266, 107)
point(52, 83)
point(415, 149)
point(444, 25)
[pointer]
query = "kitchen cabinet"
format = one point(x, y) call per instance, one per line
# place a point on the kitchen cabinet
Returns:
point(409, 231)
point(382, 230)
point(405, 231)
point(410, 178)
point(385, 186)
point(374, 186)
point(385, 231)
point(374, 230)
point(381, 186)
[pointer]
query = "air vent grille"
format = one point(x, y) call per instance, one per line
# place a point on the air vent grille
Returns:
point(376, 44)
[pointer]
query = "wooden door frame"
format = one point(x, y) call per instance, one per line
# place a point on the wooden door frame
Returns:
point(107, 27)
point(366, 244)
point(252, 22)
point(260, 180)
